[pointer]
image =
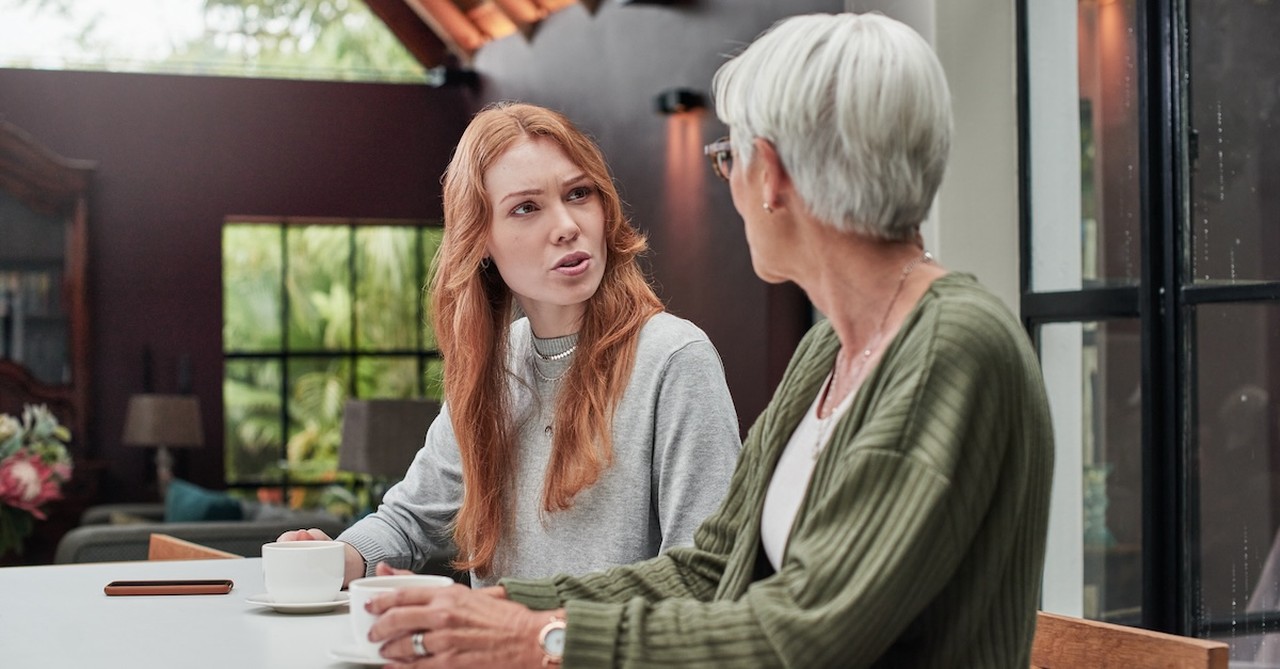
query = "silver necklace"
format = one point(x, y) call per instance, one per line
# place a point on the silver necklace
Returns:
point(544, 377)
point(873, 342)
point(559, 356)
point(551, 358)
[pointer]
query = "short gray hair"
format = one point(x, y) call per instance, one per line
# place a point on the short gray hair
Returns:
point(858, 109)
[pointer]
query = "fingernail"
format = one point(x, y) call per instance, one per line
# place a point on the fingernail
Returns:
point(368, 606)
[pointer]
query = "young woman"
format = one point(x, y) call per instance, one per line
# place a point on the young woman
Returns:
point(583, 427)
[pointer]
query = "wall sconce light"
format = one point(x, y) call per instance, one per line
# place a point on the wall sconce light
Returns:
point(443, 75)
point(678, 100)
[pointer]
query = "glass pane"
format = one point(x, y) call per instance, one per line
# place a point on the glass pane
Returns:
point(1236, 479)
point(251, 288)
point(431, 238)
point(319, 285)
point(1093, 376)
point(1084, 136)
point(318, 39)
point(1110, 187)
point(317, 392)
point(34, 328)
point(387, 288)
point(1112, 485)
point(1234, 108)
point(434, 377)
point(253, 441)
point(386, 377)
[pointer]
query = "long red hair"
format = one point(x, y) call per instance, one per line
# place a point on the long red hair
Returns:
point(472, 309)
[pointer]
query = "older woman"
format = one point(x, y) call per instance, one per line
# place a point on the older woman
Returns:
point(890, 505)
point(595, 429)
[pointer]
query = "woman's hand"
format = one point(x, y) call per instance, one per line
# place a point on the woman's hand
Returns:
point(461, 628)
point(353, 562)
point(312, 534)
point(384, 569)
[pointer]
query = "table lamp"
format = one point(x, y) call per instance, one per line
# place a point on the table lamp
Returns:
point(381, 436)
point(163, 422)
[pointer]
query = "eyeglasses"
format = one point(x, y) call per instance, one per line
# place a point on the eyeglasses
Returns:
point(720, 153)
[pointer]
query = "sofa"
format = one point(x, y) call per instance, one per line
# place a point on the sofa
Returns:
point(116, 532)
point(122, 532)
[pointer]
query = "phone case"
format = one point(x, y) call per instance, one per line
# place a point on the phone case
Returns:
point(219, 586)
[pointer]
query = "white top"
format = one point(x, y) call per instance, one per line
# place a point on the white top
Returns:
point(791, 477)
point(58, 616)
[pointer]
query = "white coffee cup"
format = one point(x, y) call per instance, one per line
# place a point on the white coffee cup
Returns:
point(303, 572)
point(364, 589)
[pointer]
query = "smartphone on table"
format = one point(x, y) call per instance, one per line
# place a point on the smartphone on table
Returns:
point(210, 586)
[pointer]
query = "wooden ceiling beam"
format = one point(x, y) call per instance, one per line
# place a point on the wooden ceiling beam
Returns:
point(417, 37)
point(555, 5)
point(491, 21)
point(521, 11)
point(451, 25)
point(431, 30)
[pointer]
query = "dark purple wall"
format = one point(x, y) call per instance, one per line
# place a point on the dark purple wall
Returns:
point(604, 71)
point(178, 154)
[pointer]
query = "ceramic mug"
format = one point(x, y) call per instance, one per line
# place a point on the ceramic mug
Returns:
point(303, 572)
point(364, 589)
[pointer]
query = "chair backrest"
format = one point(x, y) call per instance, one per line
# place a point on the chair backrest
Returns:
point(1063, 642)
point(166, 547)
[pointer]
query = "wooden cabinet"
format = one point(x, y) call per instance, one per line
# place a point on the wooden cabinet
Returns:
point(44, 310)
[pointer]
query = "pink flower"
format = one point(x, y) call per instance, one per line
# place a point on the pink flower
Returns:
point(27, 483)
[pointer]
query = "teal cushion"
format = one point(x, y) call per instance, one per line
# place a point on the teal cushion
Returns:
point(186, 502)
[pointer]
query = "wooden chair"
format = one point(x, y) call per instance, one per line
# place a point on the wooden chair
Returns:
point(1062, 642)
point(166, 547)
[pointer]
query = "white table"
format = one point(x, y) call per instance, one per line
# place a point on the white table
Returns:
point(57, 616)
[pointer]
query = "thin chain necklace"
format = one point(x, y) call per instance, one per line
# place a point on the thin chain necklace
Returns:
point(544, 377)
point(873, 342)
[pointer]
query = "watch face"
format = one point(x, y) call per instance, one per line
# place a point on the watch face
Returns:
point(553, 642)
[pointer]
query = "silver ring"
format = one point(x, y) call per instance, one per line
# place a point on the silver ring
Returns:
point(418, 649)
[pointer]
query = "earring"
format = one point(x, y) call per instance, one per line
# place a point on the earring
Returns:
point(768, 208)
point(484, 263)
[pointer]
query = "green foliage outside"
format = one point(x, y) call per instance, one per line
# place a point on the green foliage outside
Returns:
point(312, 315)
point(295, 39)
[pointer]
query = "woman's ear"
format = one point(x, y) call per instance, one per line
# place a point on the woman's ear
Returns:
point(775, 182)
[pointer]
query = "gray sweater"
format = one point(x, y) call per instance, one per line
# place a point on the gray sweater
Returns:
point(675, 442)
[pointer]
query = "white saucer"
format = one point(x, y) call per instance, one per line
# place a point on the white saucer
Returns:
point(263, 599)
point(354, 655)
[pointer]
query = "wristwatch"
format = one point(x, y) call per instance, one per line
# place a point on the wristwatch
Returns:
point(551, 641)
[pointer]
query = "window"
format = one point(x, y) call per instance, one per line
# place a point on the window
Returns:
point(1150, 151)
point(315, 312)
point(287, 39)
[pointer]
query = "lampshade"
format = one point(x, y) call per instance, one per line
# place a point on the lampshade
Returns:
point(380, 437)
point(163, 420)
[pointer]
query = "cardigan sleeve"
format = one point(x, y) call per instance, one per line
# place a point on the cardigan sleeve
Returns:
point(882, 531)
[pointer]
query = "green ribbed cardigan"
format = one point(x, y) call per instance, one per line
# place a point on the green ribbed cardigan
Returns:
point(919, 543)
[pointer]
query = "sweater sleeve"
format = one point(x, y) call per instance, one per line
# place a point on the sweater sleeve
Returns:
point(695, 442)
point(881, 532)
point(412, 523)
